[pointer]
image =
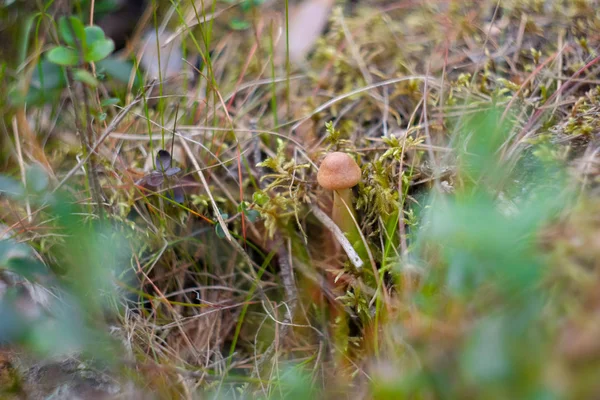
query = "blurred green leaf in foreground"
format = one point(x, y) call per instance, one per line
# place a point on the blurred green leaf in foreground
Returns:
point(78, 276)
point(480, 246)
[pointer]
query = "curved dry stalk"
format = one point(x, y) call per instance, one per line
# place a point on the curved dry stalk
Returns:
point(208, 192)
point(339, 236)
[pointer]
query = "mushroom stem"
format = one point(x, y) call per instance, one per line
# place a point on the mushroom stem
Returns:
point(342, 210)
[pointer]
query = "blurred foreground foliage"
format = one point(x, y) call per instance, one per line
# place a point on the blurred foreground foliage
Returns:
point(484, 272)
point(74, 280)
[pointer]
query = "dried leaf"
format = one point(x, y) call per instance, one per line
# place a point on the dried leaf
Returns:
point(160, 59)
point(307, 22)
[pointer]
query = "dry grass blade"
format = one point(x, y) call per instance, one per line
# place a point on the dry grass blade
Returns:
point(200, 174)
point(307, 21)
point(339, 236)
point(354, 92)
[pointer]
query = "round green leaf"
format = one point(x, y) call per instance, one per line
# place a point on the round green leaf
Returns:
point(66, 31)
point(252, 215)
point(260, 198)
point(219, 231)
point(93, 34)
point(86, 77)
point(239, 24)
point(63, 56)
point(99, 50)
point(109, 102)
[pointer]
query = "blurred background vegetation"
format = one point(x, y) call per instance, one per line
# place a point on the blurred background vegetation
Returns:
point(163, 235)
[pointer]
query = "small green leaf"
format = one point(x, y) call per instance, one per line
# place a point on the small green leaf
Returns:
point(99, 50)
point(37, 180)
point(86, 77)
point(252, 215)
point(63, 56)
point(260, 198)
point(110, 102)
point(239, 24)
point(219, 231)
point(69, 25)
point(93, 34)
point(243, 206)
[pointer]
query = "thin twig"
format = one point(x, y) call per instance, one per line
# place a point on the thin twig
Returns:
point(339, 236)
point(208, 192)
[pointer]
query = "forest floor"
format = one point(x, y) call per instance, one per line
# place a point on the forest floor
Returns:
point(163, 233)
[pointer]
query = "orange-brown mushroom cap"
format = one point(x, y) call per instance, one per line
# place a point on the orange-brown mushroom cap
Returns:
point(338, 171)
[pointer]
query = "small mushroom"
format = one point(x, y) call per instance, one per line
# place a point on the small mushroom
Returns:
point(339, 172)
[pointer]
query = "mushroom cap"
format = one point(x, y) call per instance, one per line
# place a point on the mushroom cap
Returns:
point(338, 171)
